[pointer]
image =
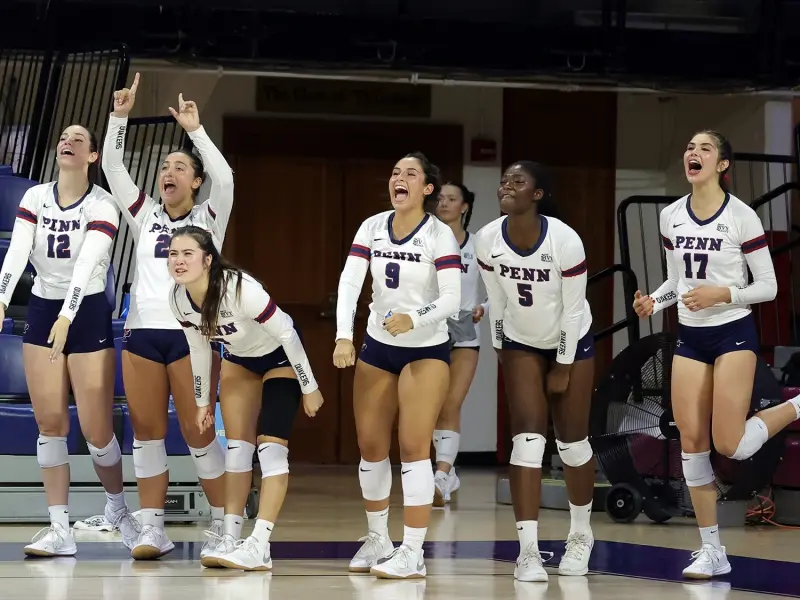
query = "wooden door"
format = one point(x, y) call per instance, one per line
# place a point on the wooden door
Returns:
point(289, 236)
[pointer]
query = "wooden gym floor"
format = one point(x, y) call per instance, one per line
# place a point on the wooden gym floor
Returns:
point(470, 554)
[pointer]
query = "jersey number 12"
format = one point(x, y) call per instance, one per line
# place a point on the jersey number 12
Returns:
point(58, 246)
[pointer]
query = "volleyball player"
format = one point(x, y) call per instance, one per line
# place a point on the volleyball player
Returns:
point(66, 228)
point(265, 374)
point(710, 238)
point(403, 365)
point(534, 269)
point(455, 210)
point(155, 358)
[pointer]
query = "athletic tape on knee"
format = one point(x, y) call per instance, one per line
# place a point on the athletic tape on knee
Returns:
point(149, 458)
point(527, 450)
point(697, 469)
point(755, 435)
point(51, 451)
point(446, 444)
point(239, 457)
point(209, 461)
point(375, 479)
point(280, 399)
point(418, 484)
point(108, 456)
point(575, 454)
point(273, 458)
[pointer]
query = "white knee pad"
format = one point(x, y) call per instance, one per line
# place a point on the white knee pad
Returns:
point(527, 450)
point(273, 458)
point(51, 451)
point(418, 485)
point(575, 454)
point(209, 461)
point(375, 479)
point(149, 458)
point(755, 435)
point(239, 457)
point(446, 444)
point(108, 456)
point(697, 468)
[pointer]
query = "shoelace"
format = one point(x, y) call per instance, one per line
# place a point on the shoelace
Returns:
point(531, 555)
point(372, 544)
point(576, 546)
point(401, 555)
point(45, 531)
point(705, 554)
point(150, 534)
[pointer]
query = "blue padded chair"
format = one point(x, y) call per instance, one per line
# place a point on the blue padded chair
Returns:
point(12, 189)
point(8, 327)
point(12, 371)
point(6, 170)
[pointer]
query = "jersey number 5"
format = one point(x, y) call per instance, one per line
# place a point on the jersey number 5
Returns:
point(525, 294)
point(392, 275)
point(162, 245)
point(58, 247)
point(701, 260)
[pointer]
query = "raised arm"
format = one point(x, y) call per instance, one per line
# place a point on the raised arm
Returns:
point(103, 222)
point(19, 250)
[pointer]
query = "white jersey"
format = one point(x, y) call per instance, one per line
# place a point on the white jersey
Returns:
point(715, 252)
point(249, 324)
point(419, 275)
point(536, 297)
point(69, 247)
point(152, 227)
point(470, 288)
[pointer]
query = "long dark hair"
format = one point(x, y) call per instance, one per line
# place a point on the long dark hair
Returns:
point(220, 273)
point(469, 200)
point(93, 171)
point(197, 166)
point(547, 205)
point(725, 152)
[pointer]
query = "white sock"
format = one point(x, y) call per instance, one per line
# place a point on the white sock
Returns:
point(59, 515)
point(233, 525)
point(116, 502)
point(528, 532)
point(413, 537)
point(153, 517)
point(378, 522)
point(580, 517)
point(262, 531)
point(217, 513)
point(710, 535)
point(796, 403)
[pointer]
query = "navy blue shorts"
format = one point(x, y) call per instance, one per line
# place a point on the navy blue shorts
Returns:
point(394, 358)
point(584, 350)
point(706, 344)
point(260, 365)
point(163, 346)
point(90, 331)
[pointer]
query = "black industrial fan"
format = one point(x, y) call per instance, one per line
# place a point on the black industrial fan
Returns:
point(637, 444)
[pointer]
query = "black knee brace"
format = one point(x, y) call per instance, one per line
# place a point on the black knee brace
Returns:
point(280, 399)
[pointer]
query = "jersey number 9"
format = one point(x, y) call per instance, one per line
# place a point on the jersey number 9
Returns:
point(162, 245)
point(392, 275)
point(58, 247)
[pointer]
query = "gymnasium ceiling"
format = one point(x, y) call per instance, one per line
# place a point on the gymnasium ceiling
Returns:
point(698, 45)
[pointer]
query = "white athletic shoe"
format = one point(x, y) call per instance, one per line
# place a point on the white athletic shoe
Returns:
point(52, 541)
point(247, 556)
point(404, 563)
point(374, 548)
point(576, 557)
point(708, 562)
point(446, 485)
point(224, 545)
point(129, 528)
point(95, 523)
point(214, 537)
point(530, 565)
point(153, 543)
